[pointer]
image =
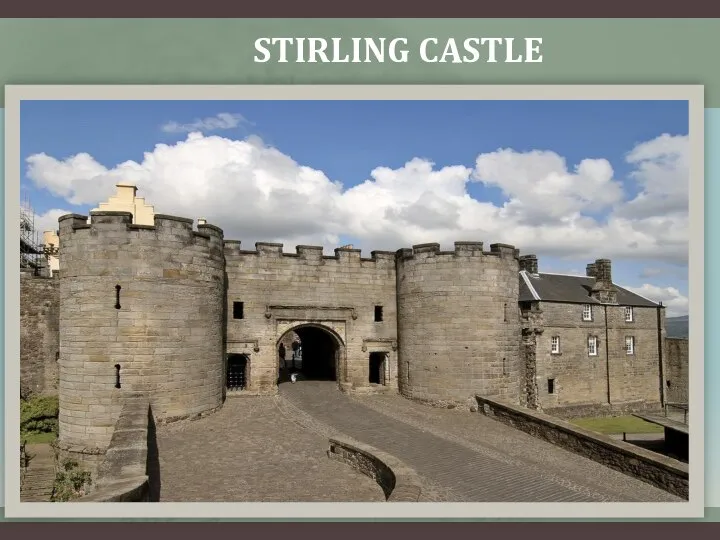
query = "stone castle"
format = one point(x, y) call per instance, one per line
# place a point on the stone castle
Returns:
point(145, 302)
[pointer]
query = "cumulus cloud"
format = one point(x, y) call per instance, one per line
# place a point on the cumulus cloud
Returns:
point(218, 122)
point(256, 192)
point(48, 221)
point(541, 189)
point(675, 302)
point(662, 171)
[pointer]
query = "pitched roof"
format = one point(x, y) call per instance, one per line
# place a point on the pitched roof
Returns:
point(571, 289)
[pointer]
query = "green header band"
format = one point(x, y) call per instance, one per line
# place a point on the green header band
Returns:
point(214, 51)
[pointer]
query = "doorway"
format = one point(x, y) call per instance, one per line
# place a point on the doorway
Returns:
point(316, 353)
point(377, 367)
point(237, 372)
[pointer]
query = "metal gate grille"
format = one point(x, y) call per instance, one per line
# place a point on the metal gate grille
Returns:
point(236, 372)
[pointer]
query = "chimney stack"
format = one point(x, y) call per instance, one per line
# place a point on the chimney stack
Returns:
point(590, 270)
point(529, 263)
point(603, 290)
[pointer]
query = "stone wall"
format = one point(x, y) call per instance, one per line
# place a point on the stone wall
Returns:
point(280, 291)
point(124, 475)
point(399, 482)
point(163, 327)
point(662, 472)
point(609, 380)
point(635, 377)
point(459, 326)
point(578, 377)
point(677, 368)
point(39, 337)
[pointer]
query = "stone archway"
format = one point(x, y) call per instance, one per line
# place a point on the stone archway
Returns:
point(321, 354)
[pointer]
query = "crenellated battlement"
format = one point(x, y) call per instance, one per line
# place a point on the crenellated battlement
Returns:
point(166, 228)
point(462, 249)
point(233, 248)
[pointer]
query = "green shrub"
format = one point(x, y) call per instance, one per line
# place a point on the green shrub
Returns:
point(70, 482)
point(39, 415)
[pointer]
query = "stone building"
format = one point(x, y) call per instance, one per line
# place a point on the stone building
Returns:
point(189, 318)
point(589, 343)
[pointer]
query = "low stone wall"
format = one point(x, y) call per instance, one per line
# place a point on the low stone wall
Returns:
point(677, 364)
point(123, 474)
point(662, 472)
point(604, 409)
point(397, 480)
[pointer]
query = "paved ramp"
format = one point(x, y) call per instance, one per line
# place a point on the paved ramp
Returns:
point(472, 457)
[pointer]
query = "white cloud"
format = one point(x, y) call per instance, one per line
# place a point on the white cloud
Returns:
point(676, 304)
point(255, 192)
point(78, 179)
point(542, 190)
point(49, 220)
point(220, 121)
point(662, 171)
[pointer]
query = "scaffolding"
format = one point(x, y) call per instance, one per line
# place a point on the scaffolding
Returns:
point(32, 255)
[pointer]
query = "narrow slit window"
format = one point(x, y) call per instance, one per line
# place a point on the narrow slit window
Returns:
point(378, 313)
point(117, 296)
point(551, 386)
point(238, 310)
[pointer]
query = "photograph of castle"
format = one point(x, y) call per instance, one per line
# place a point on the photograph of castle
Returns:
point(354, 301)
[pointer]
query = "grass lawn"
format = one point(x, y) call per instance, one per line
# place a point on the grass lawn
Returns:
point(38, 438)
point(617, 424)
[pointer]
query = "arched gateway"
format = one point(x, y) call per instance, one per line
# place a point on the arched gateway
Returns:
point(320, 356)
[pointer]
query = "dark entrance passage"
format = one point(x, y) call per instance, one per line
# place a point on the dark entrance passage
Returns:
point(377, 368)
point(318, 356)
point(237, 372)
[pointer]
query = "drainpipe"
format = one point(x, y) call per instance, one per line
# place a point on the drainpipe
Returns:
point(607, 357)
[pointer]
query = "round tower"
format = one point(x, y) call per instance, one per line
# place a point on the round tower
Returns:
point(458, 322)
point(141, 310)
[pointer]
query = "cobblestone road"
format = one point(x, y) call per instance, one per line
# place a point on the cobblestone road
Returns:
point(471, 457)
point(249, 451)
point(274, 449)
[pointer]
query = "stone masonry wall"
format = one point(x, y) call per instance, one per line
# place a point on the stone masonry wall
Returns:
point(282, 290)
point(635, 377)
point(459, 324)
point(677, 368)
point(581, 379)
point(39, 338)
point(166, 333)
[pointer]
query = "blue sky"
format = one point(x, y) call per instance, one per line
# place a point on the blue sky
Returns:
point(287, 157)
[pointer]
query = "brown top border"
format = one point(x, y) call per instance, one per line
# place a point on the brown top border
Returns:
point(368, 8)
